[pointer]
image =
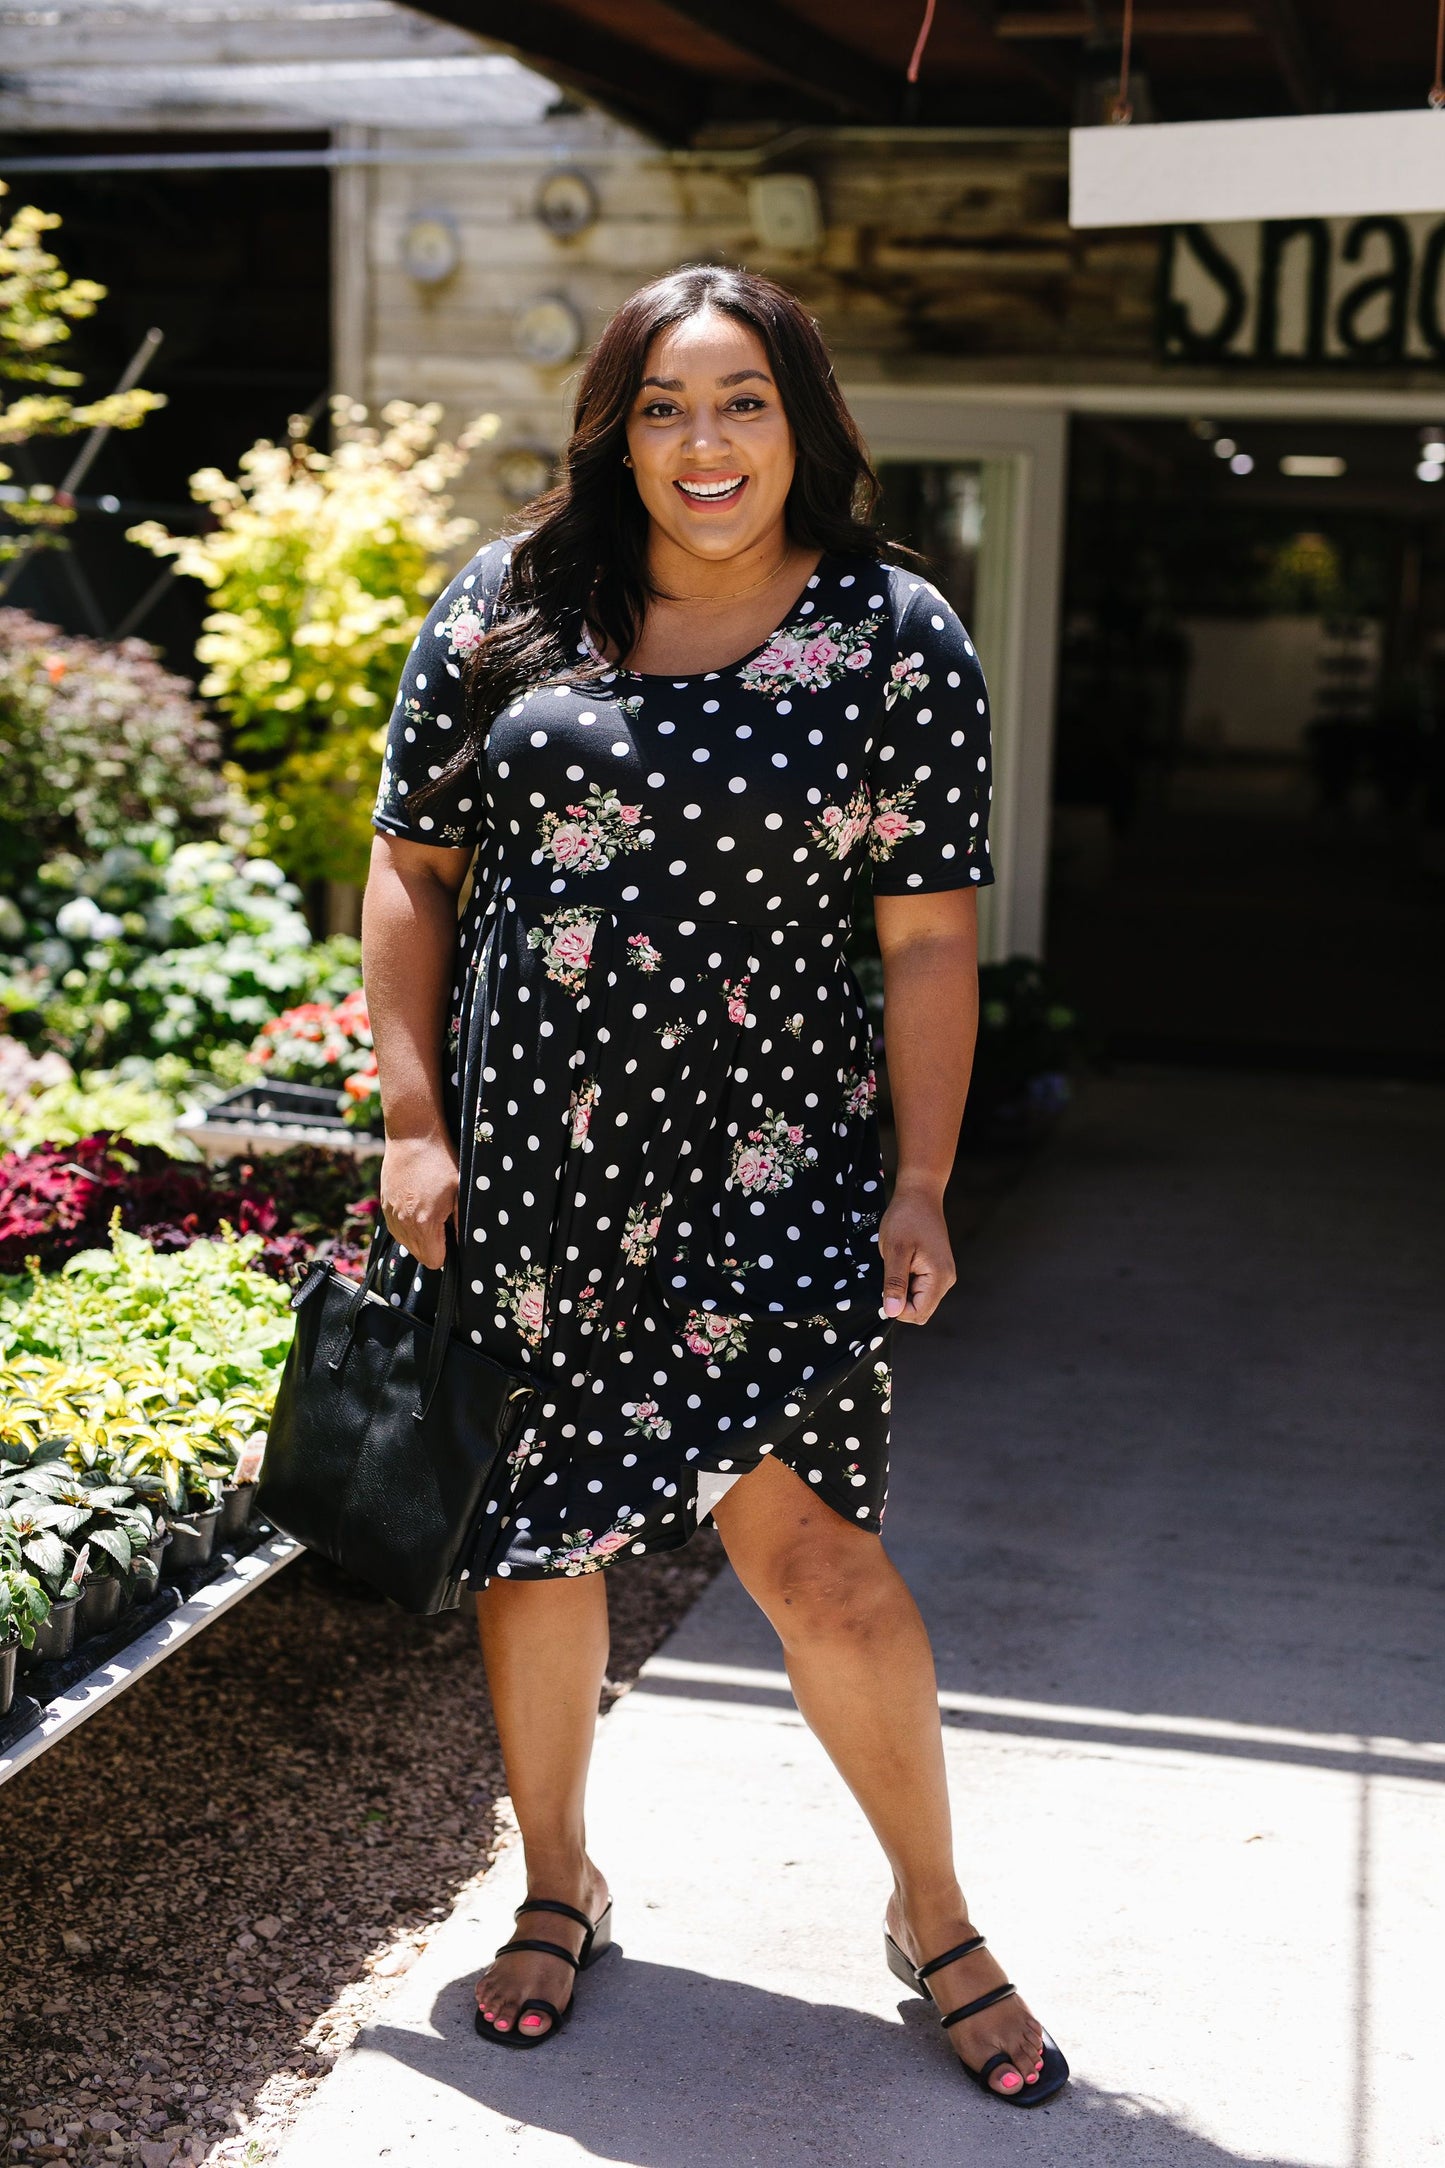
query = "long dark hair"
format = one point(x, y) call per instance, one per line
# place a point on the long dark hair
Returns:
point(580, 568)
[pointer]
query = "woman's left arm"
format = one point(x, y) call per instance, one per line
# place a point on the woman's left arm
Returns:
point(929, 946)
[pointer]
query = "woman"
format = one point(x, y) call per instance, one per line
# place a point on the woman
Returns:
point(674, 721)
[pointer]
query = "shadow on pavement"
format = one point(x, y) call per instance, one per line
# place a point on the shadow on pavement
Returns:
point(673, 2069)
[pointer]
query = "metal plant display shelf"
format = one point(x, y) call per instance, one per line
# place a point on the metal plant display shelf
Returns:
point(53, 1697)
point(269, 1117)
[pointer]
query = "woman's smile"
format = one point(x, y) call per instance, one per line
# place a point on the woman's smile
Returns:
point(711, 491)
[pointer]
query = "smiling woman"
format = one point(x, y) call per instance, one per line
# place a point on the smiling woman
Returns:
point(675, 720)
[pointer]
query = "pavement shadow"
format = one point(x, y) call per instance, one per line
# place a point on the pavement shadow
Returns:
point(670, 2068)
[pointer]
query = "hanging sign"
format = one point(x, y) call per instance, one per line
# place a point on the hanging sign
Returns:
point(1305, 165)
point(1367, 291)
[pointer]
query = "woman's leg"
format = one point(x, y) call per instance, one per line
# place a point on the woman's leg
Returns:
point(861, 1670)
point(545, 1645)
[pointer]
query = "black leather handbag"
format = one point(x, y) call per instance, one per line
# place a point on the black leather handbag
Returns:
point(387, 1451)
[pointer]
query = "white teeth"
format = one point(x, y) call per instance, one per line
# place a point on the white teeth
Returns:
point(710, 489)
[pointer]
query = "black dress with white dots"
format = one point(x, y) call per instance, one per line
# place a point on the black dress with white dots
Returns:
point(658, 1065)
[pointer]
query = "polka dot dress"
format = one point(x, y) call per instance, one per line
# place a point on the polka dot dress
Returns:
point(658, 1066)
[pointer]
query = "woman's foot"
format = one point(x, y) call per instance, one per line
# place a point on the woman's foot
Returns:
point(1008, 2026)
point(510, 1981)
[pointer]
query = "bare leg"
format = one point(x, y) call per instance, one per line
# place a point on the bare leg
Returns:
point(861, 1670)
point(545, 1645)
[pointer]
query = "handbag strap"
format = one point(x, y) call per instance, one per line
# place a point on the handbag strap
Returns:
point(442, 1322)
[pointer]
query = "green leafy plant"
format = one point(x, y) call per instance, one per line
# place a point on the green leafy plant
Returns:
point(24, 1604)
point(39, 302)
point(162, 948)
point(96, 738)
point(320, 567)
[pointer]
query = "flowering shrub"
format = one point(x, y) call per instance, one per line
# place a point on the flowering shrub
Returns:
point(159, 947)
point(96, 737)
point(318, 1044)
point(320, 567)
point(60, 1199)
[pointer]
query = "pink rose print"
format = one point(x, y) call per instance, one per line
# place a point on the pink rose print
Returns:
point(466, 633)
point(570, 843)
point(592, 834)
point(891, 822)
point(565, 938)
point(768, 1157)
point(809, 661)
point(524, 1294)
point(644, 953)
point(859, 659)
point(710, 1333)
point(841, 828)
point(580, 1106)
point(820, 653)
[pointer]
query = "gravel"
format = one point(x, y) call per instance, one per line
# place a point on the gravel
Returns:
point(213, 1883)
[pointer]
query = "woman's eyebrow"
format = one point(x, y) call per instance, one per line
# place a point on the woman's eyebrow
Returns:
point(743, 376)
point(662, 383)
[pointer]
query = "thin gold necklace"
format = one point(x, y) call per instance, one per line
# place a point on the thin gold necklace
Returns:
point(736, 596)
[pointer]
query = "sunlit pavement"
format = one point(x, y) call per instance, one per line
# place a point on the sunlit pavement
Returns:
point(1167, 1486)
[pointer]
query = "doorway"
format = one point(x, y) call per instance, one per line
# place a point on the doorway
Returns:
point(1248, 845)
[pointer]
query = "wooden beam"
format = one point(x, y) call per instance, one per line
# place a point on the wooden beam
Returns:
point(820, 66)
point(1290, 43)
point(666, 101)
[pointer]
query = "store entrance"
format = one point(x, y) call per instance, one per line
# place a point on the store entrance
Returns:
point(1248, 859)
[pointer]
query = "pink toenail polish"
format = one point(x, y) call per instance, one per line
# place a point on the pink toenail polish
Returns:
point(1033, 2079)
point(1010, 2078)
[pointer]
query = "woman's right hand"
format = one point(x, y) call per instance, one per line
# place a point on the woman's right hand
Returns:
point(419, 1184)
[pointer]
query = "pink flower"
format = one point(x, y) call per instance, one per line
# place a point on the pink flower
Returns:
point(568, 843)
point(581, 1120)
point(718, 1327)
point(629, 814)
point(795, 1135)
point(859, 659)
point(832, 814)
point(573, 945)
point(891, 827)
point(754, 1167)
point(698, 1343)
point(606, 1545)
point(466, 633)
point(820, 653)
point(779, 657)
point(738, 1009)
point(529, 1312)
point(646, 1409)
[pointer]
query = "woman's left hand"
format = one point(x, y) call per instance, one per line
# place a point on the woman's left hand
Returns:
point(918, 1268)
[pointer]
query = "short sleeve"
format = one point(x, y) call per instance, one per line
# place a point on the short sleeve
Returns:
point(930, 774)
point(428, 721)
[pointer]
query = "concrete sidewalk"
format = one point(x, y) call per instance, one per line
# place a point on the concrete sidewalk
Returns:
point(1166, 1484)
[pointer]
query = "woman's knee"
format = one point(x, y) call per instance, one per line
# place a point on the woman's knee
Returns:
point(826, 1590)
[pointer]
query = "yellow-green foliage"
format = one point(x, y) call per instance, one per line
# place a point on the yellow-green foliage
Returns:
point(38, 303)
point(320, 567)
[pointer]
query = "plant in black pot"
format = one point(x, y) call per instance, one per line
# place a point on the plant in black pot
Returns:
point(39, 1527)
point(115, 1526)
point(24, 1607)
point(172, 1475)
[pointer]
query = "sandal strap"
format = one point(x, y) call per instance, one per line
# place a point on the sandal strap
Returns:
point(552, 1949)
point(552, 1904)
point(980, 2002)
point(549, 2009)
point(989, 2067)
point(962, 1949)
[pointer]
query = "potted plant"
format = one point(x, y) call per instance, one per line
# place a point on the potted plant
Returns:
point(39, 1527)
point(24, 1606)
point(166, 1467)
point(110, 1524)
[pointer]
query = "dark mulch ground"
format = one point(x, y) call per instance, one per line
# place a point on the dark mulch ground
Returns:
point(210, 1885)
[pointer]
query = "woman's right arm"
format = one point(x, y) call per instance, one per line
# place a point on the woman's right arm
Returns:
point(408, 945)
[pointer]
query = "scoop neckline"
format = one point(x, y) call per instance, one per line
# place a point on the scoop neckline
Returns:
point(700, 677)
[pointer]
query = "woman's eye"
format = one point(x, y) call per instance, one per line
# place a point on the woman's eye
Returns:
point(749, 403)
point(658, 410)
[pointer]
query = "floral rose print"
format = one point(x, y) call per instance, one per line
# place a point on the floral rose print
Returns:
point(589, 1305)
point(735, 992)
point(839, 828)
point(807, 661)
point(587, 837)
point(640, 951)
point(647, 1421)
point(565, 938)
point(582, 1551)
point(891, 822)
point(673, 1034)
point(860, 1092)
point(906, 678)
point(579, 1111)
point(524, 1295)
point(768, 1157)
point(710, 1333)
point(639, 1231)
point(883, 1384)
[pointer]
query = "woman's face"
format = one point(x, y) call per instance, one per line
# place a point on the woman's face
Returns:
point(712, 450)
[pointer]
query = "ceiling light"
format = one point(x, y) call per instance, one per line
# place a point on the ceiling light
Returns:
point(1241, 464)
point(1224, 447)
point(1322, 465)
point(1430, 470)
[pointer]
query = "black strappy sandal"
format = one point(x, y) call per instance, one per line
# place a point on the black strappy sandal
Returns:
point(1055, 2072)
point(597, 1942)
